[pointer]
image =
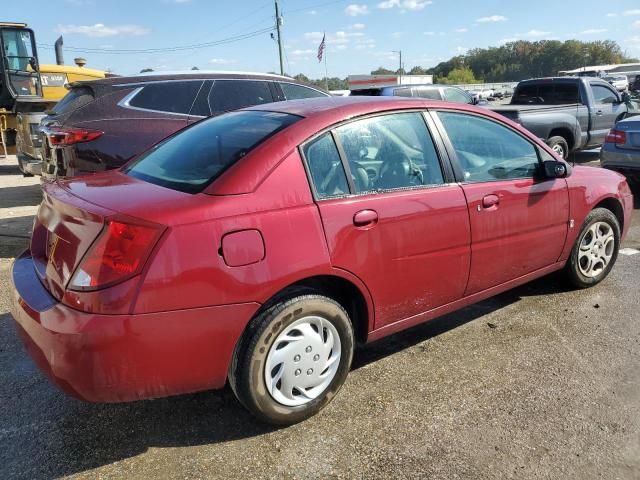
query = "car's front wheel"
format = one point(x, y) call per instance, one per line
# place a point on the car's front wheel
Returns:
point(596, 249)
point(293, 359)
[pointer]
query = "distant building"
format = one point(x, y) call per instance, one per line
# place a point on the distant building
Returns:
point(601, 70)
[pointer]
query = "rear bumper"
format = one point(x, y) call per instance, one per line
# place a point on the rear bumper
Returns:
point(620, 160)
point(116, 358)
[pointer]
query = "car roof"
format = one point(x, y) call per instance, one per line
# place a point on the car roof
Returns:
point(191, 75)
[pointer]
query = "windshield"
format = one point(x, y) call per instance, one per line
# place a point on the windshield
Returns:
point(19, 61)
point(195, 157)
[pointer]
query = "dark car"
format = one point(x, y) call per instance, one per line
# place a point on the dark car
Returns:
point(430, 91)
point(262, 245)
point(102, 124)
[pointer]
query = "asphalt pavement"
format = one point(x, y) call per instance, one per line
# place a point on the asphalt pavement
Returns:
point(539, 382)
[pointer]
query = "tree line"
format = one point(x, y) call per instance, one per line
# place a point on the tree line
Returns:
point(511, 62)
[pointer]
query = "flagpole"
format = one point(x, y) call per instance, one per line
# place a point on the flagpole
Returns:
point(326, 75)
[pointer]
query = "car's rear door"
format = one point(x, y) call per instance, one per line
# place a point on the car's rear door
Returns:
point(519, 220)
point(395, 219)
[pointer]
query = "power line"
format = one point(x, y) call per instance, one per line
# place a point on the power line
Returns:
point(223, 41)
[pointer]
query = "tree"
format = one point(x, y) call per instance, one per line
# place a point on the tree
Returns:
point(418, 71)
point(195, 68)
point(460, 76)
point(382, 71)
point(145, 70)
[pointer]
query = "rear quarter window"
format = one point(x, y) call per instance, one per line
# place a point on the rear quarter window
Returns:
point(193, 158)
point(173, 97)
point(296, 92)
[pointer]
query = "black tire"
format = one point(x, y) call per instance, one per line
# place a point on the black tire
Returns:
point(572, 270)
point(560, 145)
point(247, 372)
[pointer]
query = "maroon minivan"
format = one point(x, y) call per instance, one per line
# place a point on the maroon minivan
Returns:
point(102, 124)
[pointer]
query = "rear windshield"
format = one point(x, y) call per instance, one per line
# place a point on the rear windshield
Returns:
point(76, 98)
point(196, 156)
point(546, 93)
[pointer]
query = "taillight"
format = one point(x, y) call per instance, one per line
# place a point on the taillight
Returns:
point(118, 254)
point(616, 136)
point(69, 136)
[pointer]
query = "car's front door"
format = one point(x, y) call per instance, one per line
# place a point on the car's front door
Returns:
point(394, 220)
point(604, 112)
point(519, 220)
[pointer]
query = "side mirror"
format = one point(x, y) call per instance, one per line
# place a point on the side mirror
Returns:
point(626, 97)
point(556, 169)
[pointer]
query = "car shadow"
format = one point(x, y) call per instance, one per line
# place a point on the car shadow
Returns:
point(63, 436)
point(23, 196)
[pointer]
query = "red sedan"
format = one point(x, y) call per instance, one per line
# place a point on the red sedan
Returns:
point(260, 246)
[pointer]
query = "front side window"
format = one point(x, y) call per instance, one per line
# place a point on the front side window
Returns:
point(20, 62)
point(228, 95)
point(196, 156)
point(456, 95)
point(488, 151)
point(603, 94)
point(173, 97)
point(296, 92)
point(390, 151)
point(325, 167)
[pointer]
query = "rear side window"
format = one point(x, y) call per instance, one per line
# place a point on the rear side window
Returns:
point(431, 93)
point(403, 92)
point(76, 98)
point(556, 93)
point(173, 97)
point(297, 92)
point(227, 95)
point(325, 167)
point(196, 156)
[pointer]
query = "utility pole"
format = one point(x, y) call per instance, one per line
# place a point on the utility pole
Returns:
point(278, 24)
point(399, 52)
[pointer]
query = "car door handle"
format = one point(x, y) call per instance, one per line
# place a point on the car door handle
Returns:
point(598, 112)
point(490, 201)
point(364, 218)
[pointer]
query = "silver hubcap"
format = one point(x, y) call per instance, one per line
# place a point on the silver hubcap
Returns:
point(559, 149)
point(302, 361)
point(596, 249)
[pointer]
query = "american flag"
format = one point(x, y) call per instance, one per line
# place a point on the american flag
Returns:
point(321, 49)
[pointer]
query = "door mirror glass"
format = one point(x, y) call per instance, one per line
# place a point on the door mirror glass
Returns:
point(555, 169)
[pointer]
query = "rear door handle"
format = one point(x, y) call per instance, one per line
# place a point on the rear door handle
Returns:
point(364, 218)
point(490, 201)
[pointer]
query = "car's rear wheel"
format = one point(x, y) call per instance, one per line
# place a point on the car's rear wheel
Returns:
point(293, 359)
point(596, 249)
point(559, 145)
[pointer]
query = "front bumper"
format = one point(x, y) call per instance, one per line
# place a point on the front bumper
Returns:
point(117, 358)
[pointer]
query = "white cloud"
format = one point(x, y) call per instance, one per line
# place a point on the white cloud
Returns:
point(536, 33)
point(492, 18)
point(508, 40)
point(341, 47)
point(630, 13)
point(177, 1)
point(312, 12)
point(221, 61)
point(101, 30)
point(592, 31)
point(461, 30)
point(299, 52)
point(611, 15)
point(337, 38)
point(354, 10)
point(636, 24)
point(461, 50)
point(357, 26)
point(430, 34)
point(404, 5)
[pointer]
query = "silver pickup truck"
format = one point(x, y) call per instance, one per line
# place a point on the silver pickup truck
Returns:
point(569, 113)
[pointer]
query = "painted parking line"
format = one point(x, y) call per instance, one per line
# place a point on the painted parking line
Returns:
point(629, 251)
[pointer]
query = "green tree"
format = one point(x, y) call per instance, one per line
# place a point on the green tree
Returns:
point(195, 68)
point(145, 70)
point(382, 71)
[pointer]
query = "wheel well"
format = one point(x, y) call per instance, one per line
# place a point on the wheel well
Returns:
point(339, 289)
point(564, 133)
point(614, 207)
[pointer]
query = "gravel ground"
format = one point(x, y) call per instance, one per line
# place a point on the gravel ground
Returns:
point(539, 382)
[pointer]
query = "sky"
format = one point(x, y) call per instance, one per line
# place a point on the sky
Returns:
point(361, 35)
